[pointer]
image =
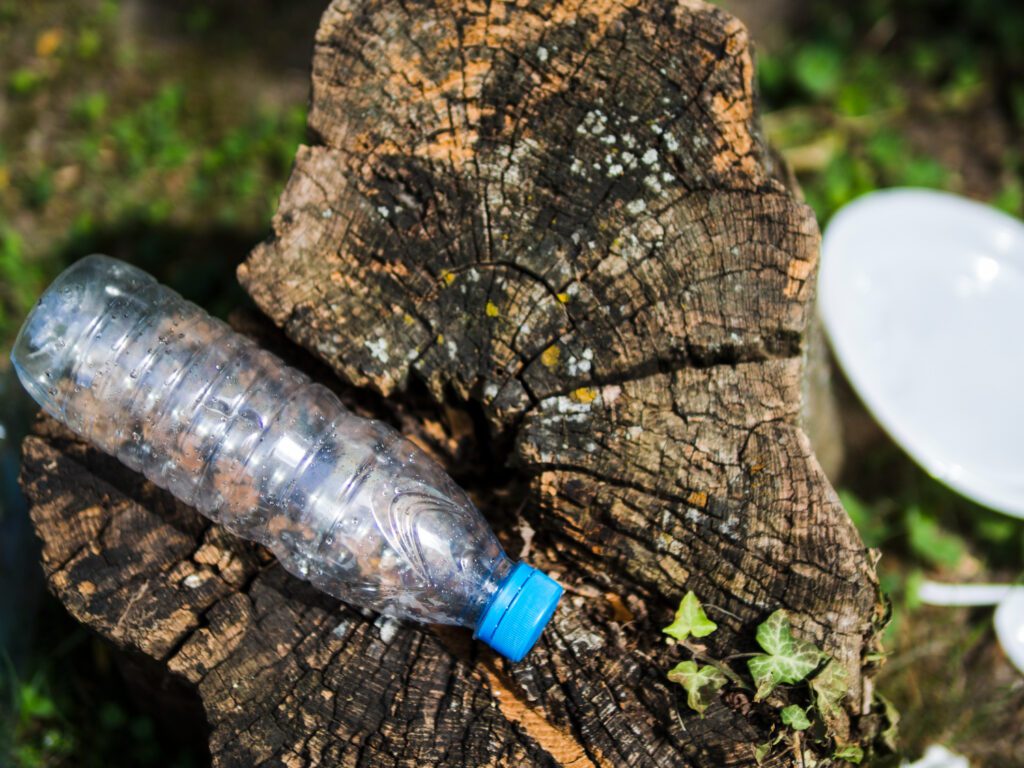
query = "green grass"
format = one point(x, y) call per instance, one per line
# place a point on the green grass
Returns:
point(72, 708)
point(158, 142)
point(852, 92)
point(106, 135)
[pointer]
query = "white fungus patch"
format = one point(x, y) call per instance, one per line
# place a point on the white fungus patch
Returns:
point(383, 211)
point(491, 390)
point(341, 628)
point(582, 364)
point(565, 405)
point(634, 431)
point(636, 207)
point(378, 348)
point(542, 54)
point(388, 628)
point(594, 122)
point(652, 183)
point(671, 143)
point(650, 157)
point(326, 213)
point(583, 641)
point(615, 170)
point(610, 393)
point(193, 580)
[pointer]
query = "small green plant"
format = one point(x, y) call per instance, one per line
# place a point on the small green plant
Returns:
point(795, 717)
point(699, 682)
point(851, 753)
point(786, 661)
point(24, 81)
point(690, 620)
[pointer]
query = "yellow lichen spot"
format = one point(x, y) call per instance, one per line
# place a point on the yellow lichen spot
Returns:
point(492, 309)
point(550, 356)
point(48, 42)
point(448, 276)
point(584, 395)
point(564, 298)
point(408, 319)
point(698, 499)
point(440, 338)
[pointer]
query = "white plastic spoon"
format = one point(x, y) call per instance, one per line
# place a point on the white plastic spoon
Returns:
point(1009, 619)
point(922, 296)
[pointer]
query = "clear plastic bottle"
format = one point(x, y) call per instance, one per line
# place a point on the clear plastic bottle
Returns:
point(344, 502)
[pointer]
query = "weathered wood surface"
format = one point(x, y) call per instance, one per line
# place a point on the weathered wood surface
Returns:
point(551, 233)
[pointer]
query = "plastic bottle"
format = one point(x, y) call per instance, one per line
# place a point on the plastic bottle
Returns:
point(344, 502)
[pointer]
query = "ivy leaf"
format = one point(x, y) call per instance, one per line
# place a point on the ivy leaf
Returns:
point(830, 687)
point(892, 719)
point(851, 753)
point(795, 717)
point(786, 659)
point(761, 751)
point(690, 620)
point(699, 683)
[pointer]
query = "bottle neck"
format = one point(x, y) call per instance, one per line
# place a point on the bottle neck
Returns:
point(500, 569)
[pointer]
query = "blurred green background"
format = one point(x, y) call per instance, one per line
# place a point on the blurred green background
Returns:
point(163, 133)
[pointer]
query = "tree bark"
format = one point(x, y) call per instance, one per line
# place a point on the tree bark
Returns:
point(547, 239)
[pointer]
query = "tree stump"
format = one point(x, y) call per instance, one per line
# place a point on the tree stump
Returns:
point(547, 238)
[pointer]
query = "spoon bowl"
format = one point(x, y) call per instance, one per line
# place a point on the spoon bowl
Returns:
point(922, 298)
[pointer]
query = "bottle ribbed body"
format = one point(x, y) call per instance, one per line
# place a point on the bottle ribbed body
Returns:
point(255, 445)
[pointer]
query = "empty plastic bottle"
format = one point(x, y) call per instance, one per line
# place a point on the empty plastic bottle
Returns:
point(344, 502)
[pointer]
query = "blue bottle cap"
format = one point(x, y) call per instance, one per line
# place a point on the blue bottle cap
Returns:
point(519, 611)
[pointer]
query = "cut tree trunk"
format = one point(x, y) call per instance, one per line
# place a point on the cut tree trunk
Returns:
point(548, 240)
